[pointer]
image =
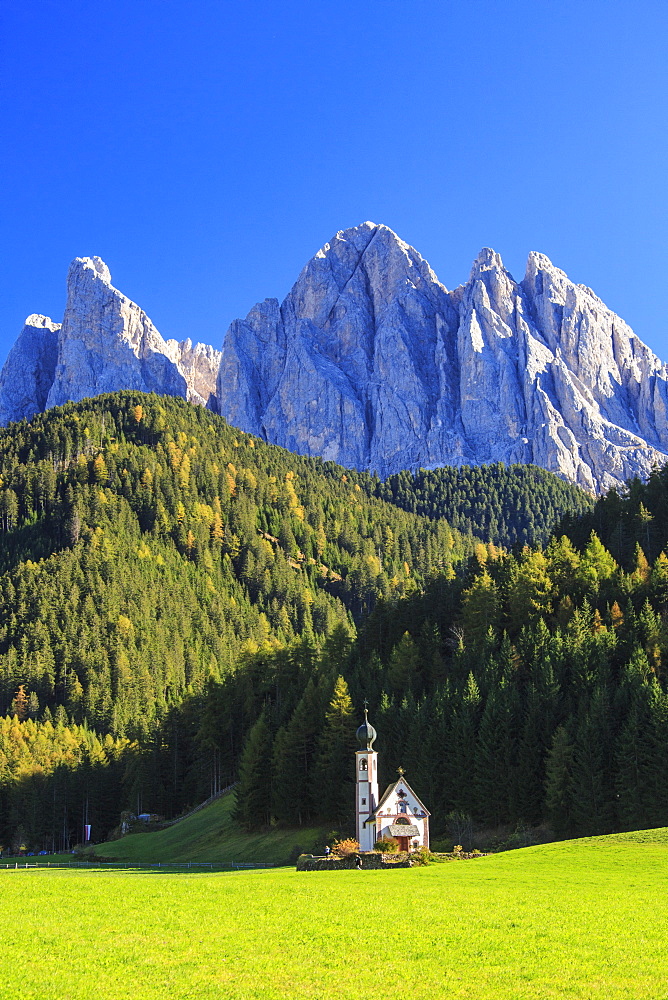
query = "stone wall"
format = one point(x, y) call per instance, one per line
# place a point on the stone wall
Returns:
point(373, 859)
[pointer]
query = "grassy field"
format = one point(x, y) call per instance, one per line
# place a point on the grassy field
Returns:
point(210, 835)
point(581, 919)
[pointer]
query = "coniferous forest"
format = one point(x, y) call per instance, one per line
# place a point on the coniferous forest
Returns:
point(507, 505)
point(184, 606)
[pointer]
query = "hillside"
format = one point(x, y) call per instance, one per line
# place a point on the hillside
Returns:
point(530, 687)
point(213, 835)
point(147, 530)
point(183, 605)
point(148, 550)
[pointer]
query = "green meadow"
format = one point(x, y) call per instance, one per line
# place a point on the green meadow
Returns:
point(579, 919)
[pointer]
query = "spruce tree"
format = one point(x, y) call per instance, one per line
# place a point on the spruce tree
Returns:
point(480, 609)
point(495, 757)
point(294, 757)
point(253, 791)
point(633, 758)
point(405, 667)
point(459, 752)
point(334, 787)
point(559, 782)
point(593, 808)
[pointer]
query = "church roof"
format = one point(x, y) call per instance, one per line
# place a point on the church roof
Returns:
point(388, 791)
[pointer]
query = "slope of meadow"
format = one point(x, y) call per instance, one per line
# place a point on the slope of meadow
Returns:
point(211, 835)
point(577, 919)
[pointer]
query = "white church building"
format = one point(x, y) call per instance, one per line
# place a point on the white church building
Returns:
point(398, 814)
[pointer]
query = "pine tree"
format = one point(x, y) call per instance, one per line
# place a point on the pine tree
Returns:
point(563, 561)
point(496, 756)
point(405, 668)
point(293, 760)
point(21, 704)
point(659, 581)
point(593, 809)
point(597, 566)
point(459, 751)
point(559, 782)
point(634, 767)
point(529, 592)
point(480, 609)
point(253, 791)
point(528, 792)
point(334, 770)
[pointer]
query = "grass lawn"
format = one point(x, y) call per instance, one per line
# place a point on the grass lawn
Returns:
point(582, 919)
point(210, 835)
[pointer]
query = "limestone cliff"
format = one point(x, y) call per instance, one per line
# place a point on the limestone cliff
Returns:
point(371, 362)
point(28, 372)
point(106, 342)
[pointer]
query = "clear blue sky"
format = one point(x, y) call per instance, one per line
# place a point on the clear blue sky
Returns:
point(207, 149)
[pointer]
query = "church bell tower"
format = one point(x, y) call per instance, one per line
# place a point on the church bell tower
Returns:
point(366, 762)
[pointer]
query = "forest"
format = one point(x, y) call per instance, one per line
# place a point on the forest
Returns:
point(185, 606)
point(507, 505)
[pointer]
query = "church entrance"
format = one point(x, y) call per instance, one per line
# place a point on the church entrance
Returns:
point(403, 843)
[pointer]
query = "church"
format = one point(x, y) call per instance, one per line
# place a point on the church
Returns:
point(398, 814)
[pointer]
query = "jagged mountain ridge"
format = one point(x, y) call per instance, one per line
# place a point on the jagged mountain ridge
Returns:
point(371, 362)
point(105, 342)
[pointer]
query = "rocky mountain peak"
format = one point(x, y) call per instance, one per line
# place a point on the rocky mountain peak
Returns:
point(372, 362)
point(540, 262)
point(105, 342)
point(487, 260)
point(40, 322)
point(28, 372)
point(87, 267)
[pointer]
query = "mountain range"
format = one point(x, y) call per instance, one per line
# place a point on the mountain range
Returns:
point(371, 362)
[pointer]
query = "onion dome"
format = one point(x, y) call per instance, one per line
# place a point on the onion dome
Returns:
point(366, 734)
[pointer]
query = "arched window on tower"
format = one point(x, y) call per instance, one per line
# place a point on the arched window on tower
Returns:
point(363, 764)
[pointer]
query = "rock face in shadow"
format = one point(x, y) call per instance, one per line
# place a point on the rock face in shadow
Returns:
point(28, 372)
point(371, 362)
point(105, 343)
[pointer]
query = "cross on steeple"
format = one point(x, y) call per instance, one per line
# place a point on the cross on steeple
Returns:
point(400, 772)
